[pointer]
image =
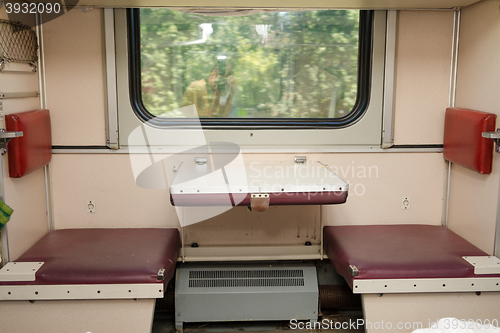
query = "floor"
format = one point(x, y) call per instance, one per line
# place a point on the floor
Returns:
point(331, 321)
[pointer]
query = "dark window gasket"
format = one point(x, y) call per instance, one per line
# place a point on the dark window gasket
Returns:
point(358, 111)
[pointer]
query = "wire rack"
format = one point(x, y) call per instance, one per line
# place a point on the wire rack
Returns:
point(18, 43)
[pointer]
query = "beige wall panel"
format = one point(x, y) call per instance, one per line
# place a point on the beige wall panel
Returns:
point(473, 205)
point(378, 184)
point(108, 180)
point(29, 221)
point(422, 76)
point(478, 66)
point(474, 197)
point(75, 78)
point(19, 104)
point(19, 83)
point(427, 308)
point(279, 225)
point(98, 316)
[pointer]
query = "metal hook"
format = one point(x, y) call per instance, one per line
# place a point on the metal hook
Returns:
point(5, 137)
point(495, 136)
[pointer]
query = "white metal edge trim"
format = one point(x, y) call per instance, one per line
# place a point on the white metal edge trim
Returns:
point(389, 79)
point(454, 61)
point(48, 195)
point(250, 253)
point(382, 286)
point(496, 245)
point(4, 251)
point(110, 63)
point(452, 82)
point(22, 94)
point(41, 62)
point(43, 105)
point(288, 9)
point(4, 242)
point(451, 103)
point(312, 190)
point(446, 195)
point(321, 227)
point(180, 150)
point(246, 267)
point(188, 258)
point(79, 291)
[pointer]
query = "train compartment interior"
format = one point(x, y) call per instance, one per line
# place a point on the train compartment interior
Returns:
point(174, 166)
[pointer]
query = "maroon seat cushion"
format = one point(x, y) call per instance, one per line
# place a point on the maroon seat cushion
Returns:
point(463, 142)
point(104, 256)
point(399, 252)
point(34, 149)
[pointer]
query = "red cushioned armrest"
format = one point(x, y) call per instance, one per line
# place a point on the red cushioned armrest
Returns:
point(34, 149)
point(463, 143)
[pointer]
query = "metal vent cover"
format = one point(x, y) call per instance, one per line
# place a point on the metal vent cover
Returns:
point(225, 292)
point(245, 274)
point(217, 283)
point(246, 278)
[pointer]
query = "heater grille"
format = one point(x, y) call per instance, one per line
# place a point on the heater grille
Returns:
point(246, 278)
point(246, 274)
point(217, 283)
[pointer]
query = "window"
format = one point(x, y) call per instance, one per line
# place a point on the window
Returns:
point(299, 69)
point(359, 127)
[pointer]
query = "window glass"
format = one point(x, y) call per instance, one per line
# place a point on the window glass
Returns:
point(270, 65)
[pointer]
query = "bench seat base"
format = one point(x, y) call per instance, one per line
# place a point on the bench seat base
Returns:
point(410, 310)
point(96, 316)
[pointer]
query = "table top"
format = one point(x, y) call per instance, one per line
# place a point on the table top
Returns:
point(256, 177)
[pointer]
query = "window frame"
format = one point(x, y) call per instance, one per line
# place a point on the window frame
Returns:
point(364, 135)
point(364, 75)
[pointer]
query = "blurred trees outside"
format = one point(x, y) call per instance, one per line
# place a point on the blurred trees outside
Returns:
point(300, 64)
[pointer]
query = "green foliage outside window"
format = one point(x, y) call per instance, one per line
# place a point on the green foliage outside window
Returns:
point(287, 64)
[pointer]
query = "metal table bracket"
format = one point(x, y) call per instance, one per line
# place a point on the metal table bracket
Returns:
point(20, 271)
point(5, 137)
point(484, 264)
point(495, 136)
point(259, 202)
point(161, 274)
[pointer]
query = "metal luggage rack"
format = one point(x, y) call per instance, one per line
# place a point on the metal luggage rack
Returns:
point(18, 44)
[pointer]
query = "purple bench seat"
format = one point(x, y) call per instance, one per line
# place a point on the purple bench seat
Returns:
point(103, 256)
point(399, 252)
